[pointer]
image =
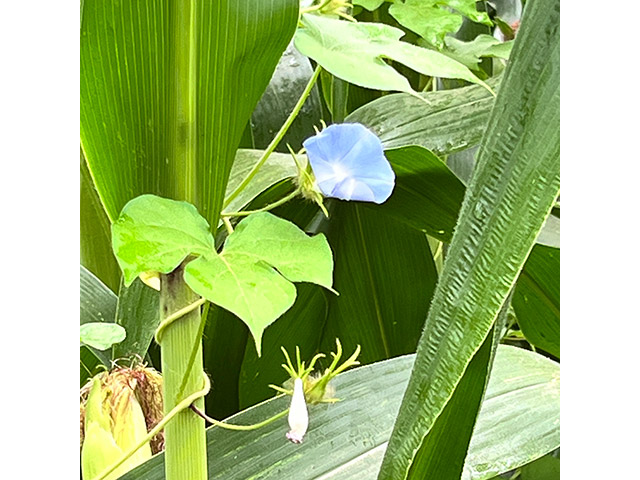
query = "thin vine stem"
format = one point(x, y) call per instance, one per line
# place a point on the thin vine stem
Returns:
point(231, 426)
point(194, 349)
point(279, 136)
point(227, 224)
point(176, 316)
point(263, 209)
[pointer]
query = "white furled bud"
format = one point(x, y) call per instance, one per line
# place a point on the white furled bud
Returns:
point(298, 415)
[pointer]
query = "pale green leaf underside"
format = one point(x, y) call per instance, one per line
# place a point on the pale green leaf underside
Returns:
point(157, 234)
point(550, 233)
point(468, 9)
point(518, 422)
point(101, 335)
point(253, 274)
point(520, 416)
point(356, 52)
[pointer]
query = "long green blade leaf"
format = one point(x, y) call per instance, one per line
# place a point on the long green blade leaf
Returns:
point(452, 432)
point(518, 422)
point(427, 195)
point(512, 191)
point(95, 233)
point(385, 274)
point(145, 93)
point(139, 314)
point(454, 120)
point(97, 304)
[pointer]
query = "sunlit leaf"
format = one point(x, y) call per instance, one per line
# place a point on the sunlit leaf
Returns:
point(145, 91)
point(448, 121)
point(470, 53)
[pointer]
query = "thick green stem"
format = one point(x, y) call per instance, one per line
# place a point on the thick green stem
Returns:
point(185, 440)
point(182, 134)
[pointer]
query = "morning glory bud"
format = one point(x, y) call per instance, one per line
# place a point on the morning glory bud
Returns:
point(349, 163)
point(298, 415)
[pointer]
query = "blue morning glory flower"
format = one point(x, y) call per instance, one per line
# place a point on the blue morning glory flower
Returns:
point(348, 162)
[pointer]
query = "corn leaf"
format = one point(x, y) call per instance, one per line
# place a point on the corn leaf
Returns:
point(518, 422)
point(514, 186)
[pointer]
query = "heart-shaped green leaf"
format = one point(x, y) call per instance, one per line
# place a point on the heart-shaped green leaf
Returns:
point(356, 52)
point(253, 274)
point(252, 290)
point(278, 242)
point(156, 234)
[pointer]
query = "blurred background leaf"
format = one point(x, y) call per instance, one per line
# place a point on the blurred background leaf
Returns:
point(285, 87)
point(536, 299)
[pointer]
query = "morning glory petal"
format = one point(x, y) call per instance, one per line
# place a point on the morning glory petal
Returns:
point(298, 414)
point(348, 162)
